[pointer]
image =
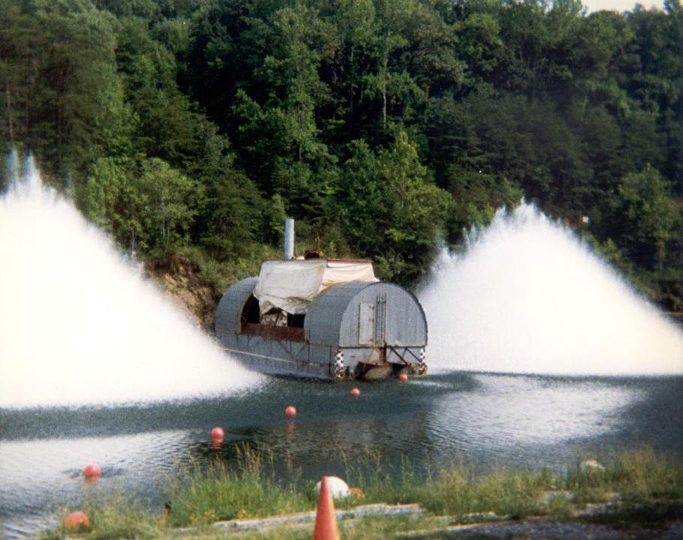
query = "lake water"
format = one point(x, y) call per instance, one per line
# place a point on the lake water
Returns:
point(483, 419)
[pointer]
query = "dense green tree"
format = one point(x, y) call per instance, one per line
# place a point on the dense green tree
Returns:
point(479, 46)
point(647, 220)
point(261, 137)
point(359, 196)
point(413, 212)
point(81, 48)
point(355, 22)
point(144, 203)
point(377, 124)
point(389, 80)
point(601, 49)
point(167, 124)
point(390, 209)
point(109, 199)
point(57, 62)
point(658, 81)
point(229, 210)
point(292, 74)
point(170, 201)
point(16, 42)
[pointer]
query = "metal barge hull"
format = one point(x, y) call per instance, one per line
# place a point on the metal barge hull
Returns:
point(351, 330)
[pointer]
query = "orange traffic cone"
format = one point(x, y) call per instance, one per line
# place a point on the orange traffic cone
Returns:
point(325, 517)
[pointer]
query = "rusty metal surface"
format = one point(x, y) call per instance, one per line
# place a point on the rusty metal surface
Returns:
point(273, 332)
point(280, 357)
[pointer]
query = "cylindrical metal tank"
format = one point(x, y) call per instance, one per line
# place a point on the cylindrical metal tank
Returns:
point(350, 330)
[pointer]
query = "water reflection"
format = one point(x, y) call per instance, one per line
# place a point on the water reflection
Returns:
point(516, 418)
point(47, 470)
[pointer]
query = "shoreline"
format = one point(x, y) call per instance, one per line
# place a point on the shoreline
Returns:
point(637, 491)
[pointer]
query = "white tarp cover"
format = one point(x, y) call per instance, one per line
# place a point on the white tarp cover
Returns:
point(292, 285)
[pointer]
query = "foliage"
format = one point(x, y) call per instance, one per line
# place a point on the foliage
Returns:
point(113, 517)
point(245, 491)
point(413, 209)
point(647, 220)
point(383, 127)
point(144, 203)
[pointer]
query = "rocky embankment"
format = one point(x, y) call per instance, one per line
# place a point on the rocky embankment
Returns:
point(181, 284)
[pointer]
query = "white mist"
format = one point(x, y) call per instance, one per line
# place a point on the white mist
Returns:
point(527, 296)
point(78, 326)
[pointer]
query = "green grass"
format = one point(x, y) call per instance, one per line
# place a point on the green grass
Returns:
point(638, 476)
point(115, 517)
point(456, 489)
point(249, 488)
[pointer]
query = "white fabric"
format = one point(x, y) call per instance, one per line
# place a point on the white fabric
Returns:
point(292, 285)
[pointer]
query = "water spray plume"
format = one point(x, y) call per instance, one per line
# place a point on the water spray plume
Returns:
point(527, 296)
point(80, 326)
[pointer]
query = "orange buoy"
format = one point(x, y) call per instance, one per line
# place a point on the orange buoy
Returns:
point(92, 471)
point(217, 433)
point(355, 392)
point(325, 527)
point(76, 520)
point(403, 377)
point(290, 411)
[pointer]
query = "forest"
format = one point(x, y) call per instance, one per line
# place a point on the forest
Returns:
point(189, 129)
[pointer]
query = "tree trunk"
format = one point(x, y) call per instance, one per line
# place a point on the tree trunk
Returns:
point(353, 71)
point(60, 94)
point(8, 94)
point(384, 93)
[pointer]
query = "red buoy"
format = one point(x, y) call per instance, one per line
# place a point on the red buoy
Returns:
point(290, 411)
point(355, 392)
point(403, 377)
point(217, 433)
point(92, 471)
point(76, 520)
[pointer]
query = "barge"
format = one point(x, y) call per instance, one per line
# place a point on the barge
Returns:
point(323, 318)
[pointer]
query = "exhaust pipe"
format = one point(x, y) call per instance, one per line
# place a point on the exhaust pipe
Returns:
point(289, 239)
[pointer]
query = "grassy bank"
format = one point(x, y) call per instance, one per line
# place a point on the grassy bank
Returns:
point(250, 489)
